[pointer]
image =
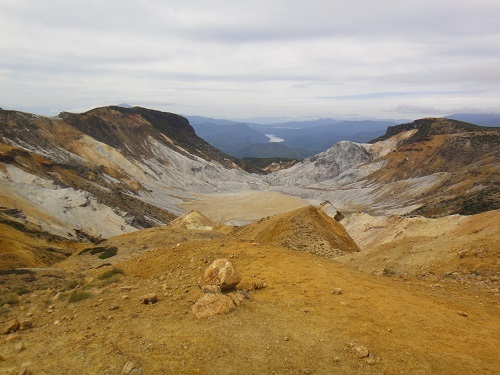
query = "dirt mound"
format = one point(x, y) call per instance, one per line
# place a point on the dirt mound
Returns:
point(307, 229)
point(193, 219)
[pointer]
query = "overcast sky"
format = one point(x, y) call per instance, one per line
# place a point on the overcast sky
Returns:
point(240, 59)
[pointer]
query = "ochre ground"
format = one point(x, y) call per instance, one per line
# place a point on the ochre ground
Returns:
point(410, 325)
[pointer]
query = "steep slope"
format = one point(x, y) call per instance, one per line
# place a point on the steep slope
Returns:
point(432, 167)
point(108, 171)
point(305, 229)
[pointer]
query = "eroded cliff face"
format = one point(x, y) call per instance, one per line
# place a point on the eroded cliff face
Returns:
point(108, 171)
point(113, 170)
point(432, 167)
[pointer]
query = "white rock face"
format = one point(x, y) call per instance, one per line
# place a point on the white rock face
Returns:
point(339, 175)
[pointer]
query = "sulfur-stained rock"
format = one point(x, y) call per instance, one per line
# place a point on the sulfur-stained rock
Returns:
point(221, 273)
point(212, 304)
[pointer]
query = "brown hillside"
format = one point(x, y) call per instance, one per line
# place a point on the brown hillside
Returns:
point(466, 156)
point(294, 326)
point(307, 229)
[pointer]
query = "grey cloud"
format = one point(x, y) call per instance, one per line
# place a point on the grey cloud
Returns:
point(270, 58)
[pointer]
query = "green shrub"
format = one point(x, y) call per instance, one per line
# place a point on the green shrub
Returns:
point(22, 291)
point(389, 272)
point(111, 272)
point(77, 296)
point(8, 299)
point(111, 252)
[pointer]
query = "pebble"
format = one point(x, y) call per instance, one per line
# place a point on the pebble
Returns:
point(19, 347)
point(337, 291)
point(463, 313)
point(361, 351)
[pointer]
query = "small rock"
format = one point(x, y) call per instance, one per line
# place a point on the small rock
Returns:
point(19, 347)
point(149, 298)
point(259, 285)
point(125, 297)
point(336, 359)
point(337, 291)
point(131, 368)
point(126, 288)
point(25, 324)
point(25, 371)
point(370, 361)
point(286, 338)
point(361, 351)
point(115, 307)
point(11, 326)
point(463, 313)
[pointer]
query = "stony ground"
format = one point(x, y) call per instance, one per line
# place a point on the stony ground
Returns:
point(316, 315)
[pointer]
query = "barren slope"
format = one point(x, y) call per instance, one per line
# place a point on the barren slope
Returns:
point(295, 325)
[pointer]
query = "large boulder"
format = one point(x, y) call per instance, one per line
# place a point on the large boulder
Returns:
point(212, 304)
point(220, 273)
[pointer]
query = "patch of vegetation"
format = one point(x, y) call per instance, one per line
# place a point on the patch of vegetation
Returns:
point(4, 310)
point(8, 299)
point(74, 283)
point(108, 253)
point(78, 296)
point(110, 273)
point(21, 291)
point(388, 272)
point(105, 251)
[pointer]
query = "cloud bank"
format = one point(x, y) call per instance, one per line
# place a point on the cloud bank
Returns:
point(237, 59)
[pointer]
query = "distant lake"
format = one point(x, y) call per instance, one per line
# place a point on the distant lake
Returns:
point(273, 138)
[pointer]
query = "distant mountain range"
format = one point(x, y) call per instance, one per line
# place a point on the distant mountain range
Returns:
point(300, 138)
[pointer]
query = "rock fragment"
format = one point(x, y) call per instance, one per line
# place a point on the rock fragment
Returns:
point(336, 291)
point(131, 368)
point(361, 351)
point(221, 273)
point(25, 324)
point(212, 304)
point(463, 313)
point(149, 298)
point(11, 326)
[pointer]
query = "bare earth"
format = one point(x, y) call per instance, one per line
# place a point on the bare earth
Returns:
point(243, 208)
point(296, 325)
